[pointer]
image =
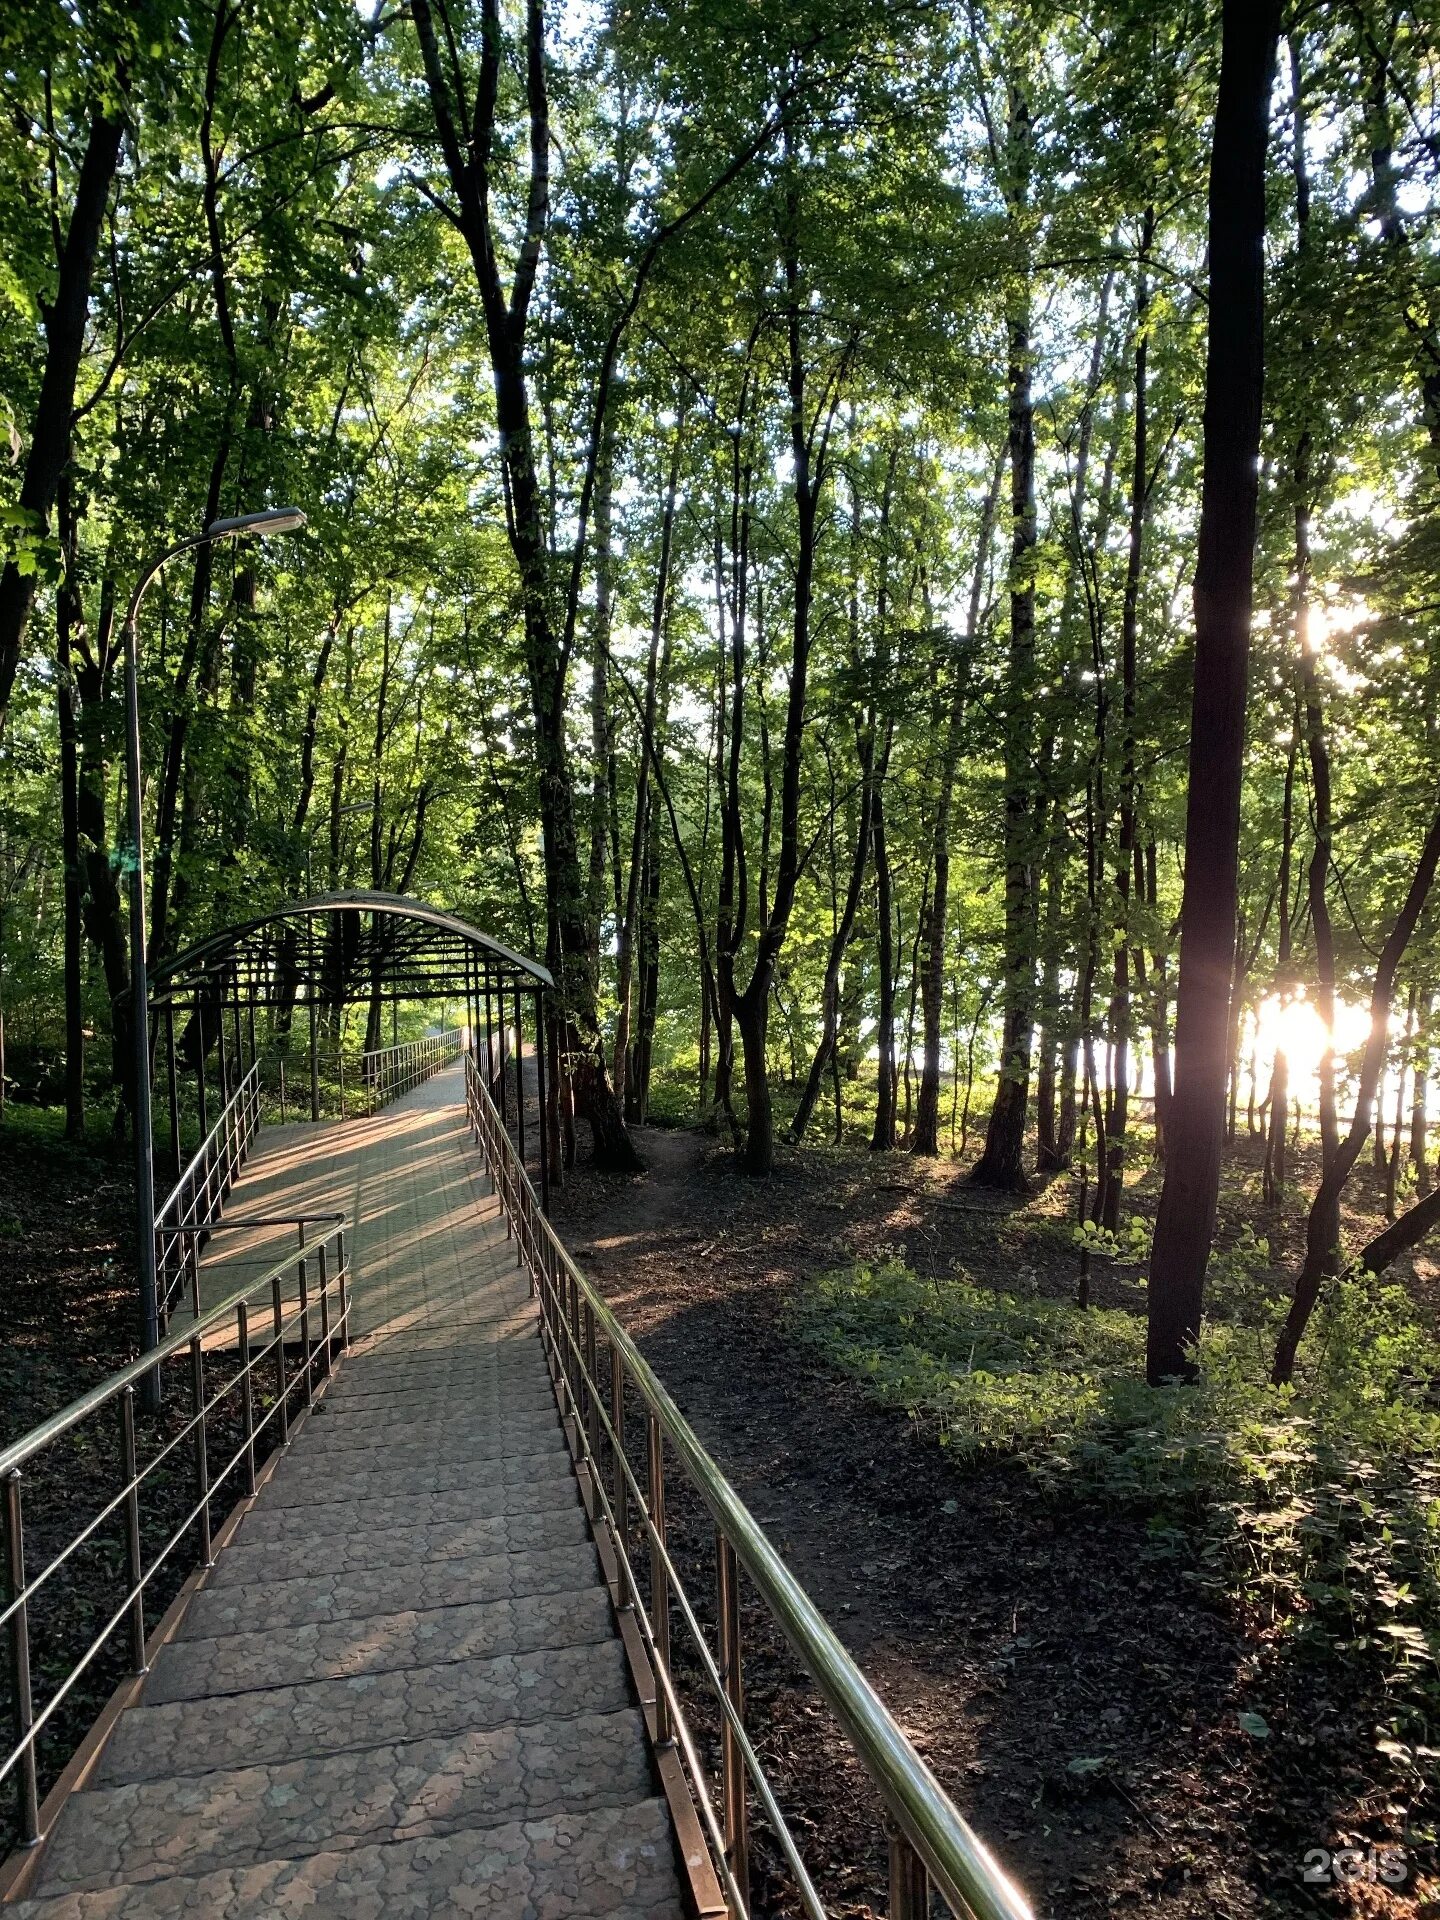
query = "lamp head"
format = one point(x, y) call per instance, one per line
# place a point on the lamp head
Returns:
point(267, 520)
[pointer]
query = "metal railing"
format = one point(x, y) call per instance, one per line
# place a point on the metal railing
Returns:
point(931, 1846)
point(391, 1071)
point(199, 1194)
point(297, 1311)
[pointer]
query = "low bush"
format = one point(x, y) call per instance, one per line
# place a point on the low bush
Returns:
point(1315, 1507)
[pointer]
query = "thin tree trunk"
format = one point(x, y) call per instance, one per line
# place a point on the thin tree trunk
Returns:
point(1001, 1163)
point(1419, 1128)
point(601, 744)
point(1322, 1233)
point(629, 926)
point(68, 614)
point(1392, 1164)
point(882, 1136)
point(1117, 1118)
point(840, 939)
point(926, 1137)
point(1273, 1181)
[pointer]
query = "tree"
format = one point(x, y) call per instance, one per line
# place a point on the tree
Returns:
point(1224, 580)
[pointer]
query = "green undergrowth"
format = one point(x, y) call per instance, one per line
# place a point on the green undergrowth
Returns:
point(1316, 1508)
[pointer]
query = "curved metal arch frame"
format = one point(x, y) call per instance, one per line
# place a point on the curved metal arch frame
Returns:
point(397, 948)
point(437, 958)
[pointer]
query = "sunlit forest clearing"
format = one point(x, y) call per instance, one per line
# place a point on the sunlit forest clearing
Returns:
point(895, 550)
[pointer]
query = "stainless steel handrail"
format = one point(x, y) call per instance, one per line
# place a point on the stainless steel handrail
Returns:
point(930, 1839)
point(391, 1071)
point(207, 1178)
point(317, 1356)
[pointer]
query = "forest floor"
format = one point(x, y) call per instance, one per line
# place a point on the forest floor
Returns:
point(1083, 1699)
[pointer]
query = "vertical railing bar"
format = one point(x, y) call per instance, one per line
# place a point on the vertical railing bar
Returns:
point(278, 1305)
point(343, 1282)
point(592, 1410)
point(202, 1457)
point(132, 1530)
point(659, 1579)
point(324, 1308)
point(909, 1883)
point(307, 1382)
point(621, 1501)
point(737, 1826)
point(22, 1703)
point(247, 1394)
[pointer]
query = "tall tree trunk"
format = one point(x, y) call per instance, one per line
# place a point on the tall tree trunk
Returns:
point(1058, 1045)
point(601, 743)
point(1117, 1117)
point(68, 615)
point(882, 1137)
point(840, 938)
point(467, 154)
point(640, 834)
point(1273, 1180)
point(637, 1105)
point(926, 1137)
point(1000, 1165)
point(1148, 880)
point(1234, 384)
point(63, 320)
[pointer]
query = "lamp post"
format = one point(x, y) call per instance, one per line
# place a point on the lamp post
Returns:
point(270, 520)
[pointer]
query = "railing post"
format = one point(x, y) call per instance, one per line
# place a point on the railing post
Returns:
point(737, 1826)
point(202, 1457)
point(22, 1704)
point(592, 1403)
point(342, 1282)
point(621, 1498)
point(659, 1581)
point(308, 1385)
point(324, 1309)
point(278, 1306)
point(132, 1529)
point(247, 1395)
point(909, 1884)
point(573, 1351)
point(282, 1093)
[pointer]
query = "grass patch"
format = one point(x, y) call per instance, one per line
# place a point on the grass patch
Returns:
point(1315, 1508)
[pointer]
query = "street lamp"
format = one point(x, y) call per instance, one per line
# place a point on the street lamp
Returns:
point(239, 527)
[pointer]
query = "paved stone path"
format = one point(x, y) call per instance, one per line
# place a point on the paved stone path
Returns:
point(400, 1693)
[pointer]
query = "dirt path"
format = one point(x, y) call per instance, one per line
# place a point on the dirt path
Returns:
point(1010, 1633)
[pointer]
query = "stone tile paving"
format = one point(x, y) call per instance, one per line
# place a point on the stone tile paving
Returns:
point(381, 1590)
point(334, 1649)
point(398, 1546)
point(401, 1693)
point(604, 1864)
point(475, 1503)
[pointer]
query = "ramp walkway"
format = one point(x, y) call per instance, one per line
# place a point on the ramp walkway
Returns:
point(400, 1691)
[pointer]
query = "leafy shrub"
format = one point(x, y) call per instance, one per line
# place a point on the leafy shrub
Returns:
point(1315, 1507)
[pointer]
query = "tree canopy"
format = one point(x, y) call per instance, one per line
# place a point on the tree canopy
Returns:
point(756, 460)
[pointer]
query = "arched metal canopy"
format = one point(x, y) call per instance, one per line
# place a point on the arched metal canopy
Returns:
point(340, 947)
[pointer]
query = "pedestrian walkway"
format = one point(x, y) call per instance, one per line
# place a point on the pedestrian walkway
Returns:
point(400, 1692)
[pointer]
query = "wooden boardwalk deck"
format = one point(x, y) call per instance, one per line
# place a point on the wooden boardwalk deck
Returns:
point(400, 1692)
